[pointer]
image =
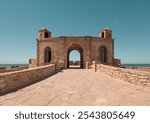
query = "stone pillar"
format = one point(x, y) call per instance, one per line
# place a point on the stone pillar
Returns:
point(87, 65)
point(94, 66)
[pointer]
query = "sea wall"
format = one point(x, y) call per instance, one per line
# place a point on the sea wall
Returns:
point(13, 80)
point(132, 76)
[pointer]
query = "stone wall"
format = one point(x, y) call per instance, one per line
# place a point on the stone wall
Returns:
point(11, 69)
point(13, 80)
point(144, 68)
point(117, 62)
point(132, 76)
point(88, 47)
point(32, 63)
point(2, 69)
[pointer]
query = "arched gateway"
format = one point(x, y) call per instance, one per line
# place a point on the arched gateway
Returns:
point(79, 49)
point(56, 50)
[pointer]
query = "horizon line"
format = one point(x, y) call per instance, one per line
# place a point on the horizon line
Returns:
point(28, 63)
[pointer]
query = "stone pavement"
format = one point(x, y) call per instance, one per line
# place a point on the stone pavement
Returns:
point(77, 87)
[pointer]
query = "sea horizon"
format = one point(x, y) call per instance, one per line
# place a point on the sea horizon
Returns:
point(10, 65)
point(135, 65)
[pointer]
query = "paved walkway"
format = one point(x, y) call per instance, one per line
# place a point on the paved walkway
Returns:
point(79, 87)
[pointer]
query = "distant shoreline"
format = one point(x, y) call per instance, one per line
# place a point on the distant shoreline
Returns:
point(135, 65)
point(8, 66)
point(122, 65)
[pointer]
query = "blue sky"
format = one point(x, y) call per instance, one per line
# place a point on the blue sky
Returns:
point(20, 21)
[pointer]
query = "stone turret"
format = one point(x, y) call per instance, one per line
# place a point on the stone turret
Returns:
point(44, 33)
point(106, 33)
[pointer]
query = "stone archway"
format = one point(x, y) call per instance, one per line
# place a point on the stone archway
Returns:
point(47, 55)
point(103, 54)
point(79, 49)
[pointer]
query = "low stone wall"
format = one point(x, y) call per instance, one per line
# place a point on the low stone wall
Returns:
point(144, 69)
point(32, 63)
point(132, 76)
point(13, 80)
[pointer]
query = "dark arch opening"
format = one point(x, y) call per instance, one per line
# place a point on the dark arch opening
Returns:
point(80, 51)
point(102, 35)
point(47, 54)
point(46, 35)
point(103, 55)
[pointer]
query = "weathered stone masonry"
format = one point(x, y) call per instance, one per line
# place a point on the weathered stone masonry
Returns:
point(17, 79)
point(55, 50)
point(136, 77)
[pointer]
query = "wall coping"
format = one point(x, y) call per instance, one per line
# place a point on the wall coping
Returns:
point(125, 69)
point(26, 70)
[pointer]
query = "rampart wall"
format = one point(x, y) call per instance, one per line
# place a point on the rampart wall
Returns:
point(13, 80)
point(132, 76)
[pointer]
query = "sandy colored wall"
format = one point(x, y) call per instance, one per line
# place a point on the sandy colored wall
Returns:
point(60, 45)
point(14, 80)
point(132, 76)
point(32, 63)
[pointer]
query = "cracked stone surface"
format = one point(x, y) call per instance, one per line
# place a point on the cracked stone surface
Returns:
point(78, 87)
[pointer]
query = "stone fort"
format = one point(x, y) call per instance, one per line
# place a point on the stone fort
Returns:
point(56, 50)
point(53, 55)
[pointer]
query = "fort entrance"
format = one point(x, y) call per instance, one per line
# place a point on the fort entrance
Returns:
point(80, 62)
point(56, 50)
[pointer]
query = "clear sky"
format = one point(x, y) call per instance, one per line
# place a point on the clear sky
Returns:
point(20, 21)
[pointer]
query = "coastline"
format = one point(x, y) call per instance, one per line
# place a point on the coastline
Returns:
point(135, 65)
point(8, 66)
point(140, 67)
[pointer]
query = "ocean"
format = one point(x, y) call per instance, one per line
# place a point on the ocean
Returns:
point(135, 65)
point(8, 66)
